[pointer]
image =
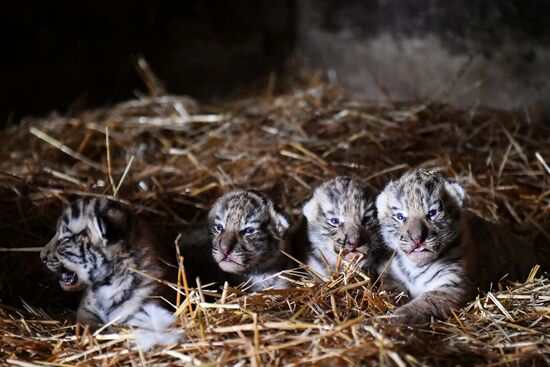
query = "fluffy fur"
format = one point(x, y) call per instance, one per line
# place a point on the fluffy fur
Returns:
point(246, 232)
point(97, 244)
point(153, 326)
point(341, 218)
point(442, 254)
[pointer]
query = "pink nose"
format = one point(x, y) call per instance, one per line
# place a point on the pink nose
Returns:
point(350, 247)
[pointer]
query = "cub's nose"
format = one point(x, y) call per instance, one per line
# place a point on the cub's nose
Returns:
point(44, 255)
point(226, 250)
point(418, 239)
point(355, 241)
point(228, 242)
point(353, 246)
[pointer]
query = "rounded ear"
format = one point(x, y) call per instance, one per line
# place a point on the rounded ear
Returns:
point(381, 202)
point(309, 209)
point(281, 221)
point(456, 191)
point(211, 215)
point(112, 225)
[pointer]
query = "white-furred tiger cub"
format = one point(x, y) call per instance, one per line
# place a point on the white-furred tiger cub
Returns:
point(443, 254)
point(340, 217)
point(97, 245)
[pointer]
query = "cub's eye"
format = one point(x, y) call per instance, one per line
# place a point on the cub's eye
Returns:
point(432, 213)
point(219, 227)
point(400, 217)
point(249, 230)
point(64, 240)
point(334, 221)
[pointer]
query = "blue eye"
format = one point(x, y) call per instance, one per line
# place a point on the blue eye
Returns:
point(249, 230)
point(335, 221)
point(219, 227)
point(432, 213)
point(400, 217)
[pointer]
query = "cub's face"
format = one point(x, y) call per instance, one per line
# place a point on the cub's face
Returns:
point(246, 229)
point(419, 214)
point(91, 235)
point(341, 216)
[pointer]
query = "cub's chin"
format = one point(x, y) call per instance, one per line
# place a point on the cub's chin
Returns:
point(353, 254)
point(231, 266)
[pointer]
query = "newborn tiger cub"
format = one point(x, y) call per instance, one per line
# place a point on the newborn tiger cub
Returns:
point(247, 231)
point(340, 217)
point(442, 253)
point(97, 244)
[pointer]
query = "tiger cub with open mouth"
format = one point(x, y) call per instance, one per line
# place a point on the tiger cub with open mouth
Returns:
point(442, 253)
point(96, 248)
point(247, 234)
point(340, 217)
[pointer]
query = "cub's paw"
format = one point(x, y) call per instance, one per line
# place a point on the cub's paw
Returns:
point(406, 315)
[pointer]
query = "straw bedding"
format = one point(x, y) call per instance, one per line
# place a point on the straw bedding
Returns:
point(171, 158)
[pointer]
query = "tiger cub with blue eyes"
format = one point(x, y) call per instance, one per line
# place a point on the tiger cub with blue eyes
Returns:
point(443, 254)
point(247, 233)
point(340, 217)
point(97, 245)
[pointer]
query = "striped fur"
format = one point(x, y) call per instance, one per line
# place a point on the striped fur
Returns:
point(341, 217)
point(97, 244)
point(246, 231)
point(442, 254)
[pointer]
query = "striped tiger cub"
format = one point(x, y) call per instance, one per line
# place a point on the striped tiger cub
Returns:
point(340, 217)
point(97, 245)
point(442, 253)
point(247, 234)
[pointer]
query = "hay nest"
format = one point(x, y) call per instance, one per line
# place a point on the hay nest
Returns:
point(171, 158)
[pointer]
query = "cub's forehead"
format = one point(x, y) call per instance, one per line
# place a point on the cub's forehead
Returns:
point(241, 205)
point(417, 189)
point(343, 192)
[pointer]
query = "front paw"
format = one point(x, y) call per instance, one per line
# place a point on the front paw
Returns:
point(406, 315)
point(87, 320)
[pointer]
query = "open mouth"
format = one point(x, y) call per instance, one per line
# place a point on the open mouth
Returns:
point(68, 277)
point(69, 281)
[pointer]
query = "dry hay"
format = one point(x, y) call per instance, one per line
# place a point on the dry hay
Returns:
point(171, 157)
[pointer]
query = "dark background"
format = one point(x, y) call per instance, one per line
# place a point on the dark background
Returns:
point(70, 55)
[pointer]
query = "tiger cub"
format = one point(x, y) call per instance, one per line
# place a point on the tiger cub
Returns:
point(247, 235)
point(341, 217)
point(97, 245)
point(442, 253)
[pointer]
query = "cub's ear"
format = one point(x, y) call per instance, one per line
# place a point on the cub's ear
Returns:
point(455, 191)
point(382, 202)
point(112, 225)
point(282, 222)
point(309, 209)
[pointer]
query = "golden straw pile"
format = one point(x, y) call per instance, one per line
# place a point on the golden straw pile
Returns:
point(171, 158)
